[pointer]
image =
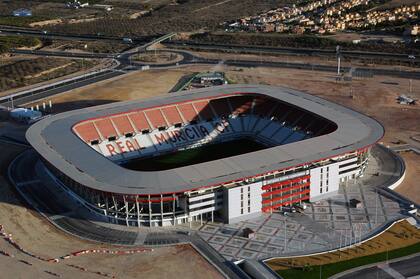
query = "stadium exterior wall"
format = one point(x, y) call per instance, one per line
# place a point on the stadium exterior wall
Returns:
point(227, 203)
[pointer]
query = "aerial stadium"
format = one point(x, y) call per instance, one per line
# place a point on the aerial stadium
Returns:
point(225, 153)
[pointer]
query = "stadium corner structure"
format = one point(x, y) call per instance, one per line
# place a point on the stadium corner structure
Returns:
point(114, 158)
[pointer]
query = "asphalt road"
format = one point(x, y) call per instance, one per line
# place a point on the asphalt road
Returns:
point(53, 90)
point(284, 50)
point(10, 30)
point(368, 273)
point(406, 268)
point(63, 53)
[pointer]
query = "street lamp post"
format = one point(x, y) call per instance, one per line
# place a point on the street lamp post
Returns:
point(320, 272)
point(338, 52)
point(285, 236)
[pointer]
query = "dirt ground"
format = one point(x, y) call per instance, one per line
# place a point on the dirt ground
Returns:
point(410, 186)
point(400, 235)
point(40, 238)
point(134, 85)
point(158, 57)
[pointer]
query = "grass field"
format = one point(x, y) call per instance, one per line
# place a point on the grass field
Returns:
point(195, 155)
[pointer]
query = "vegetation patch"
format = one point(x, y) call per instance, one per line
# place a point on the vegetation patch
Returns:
point(21, 21)
point(299, 41)
point(400, 240)
point(328, 270)
point(31, 71)
point(8, 42)
point(186, 15)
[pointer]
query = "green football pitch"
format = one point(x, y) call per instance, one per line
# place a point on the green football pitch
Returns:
point(194, 156)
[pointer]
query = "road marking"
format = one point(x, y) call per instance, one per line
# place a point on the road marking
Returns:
point(395, 274)
point(28, 182)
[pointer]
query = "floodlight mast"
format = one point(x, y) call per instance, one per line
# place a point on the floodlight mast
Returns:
point(338, 52)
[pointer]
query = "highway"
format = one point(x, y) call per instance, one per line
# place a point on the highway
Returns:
point(38, 94)
point(283, 50)
point(66, 54)
point(21, 31)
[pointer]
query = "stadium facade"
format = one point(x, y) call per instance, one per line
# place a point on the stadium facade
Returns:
point(310, 146)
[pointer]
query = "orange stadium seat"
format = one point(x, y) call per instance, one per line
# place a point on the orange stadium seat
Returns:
point(123, 124)
point(172, 115)
point(156, 118)
point(139, 120)
point(87, 131)
point(188, 112)
point(106, 128)
point(204, 110)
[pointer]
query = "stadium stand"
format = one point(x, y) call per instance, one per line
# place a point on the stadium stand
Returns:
point(192, 124)
point(287, 164)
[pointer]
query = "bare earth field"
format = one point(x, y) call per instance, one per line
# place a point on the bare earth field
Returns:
point(410, 186)
point(132, 86)
point(40, 238)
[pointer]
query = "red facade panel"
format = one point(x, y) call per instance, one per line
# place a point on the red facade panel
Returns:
point(285, 203)
point(275, 192)
point(285, 196)
point(285, 182)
